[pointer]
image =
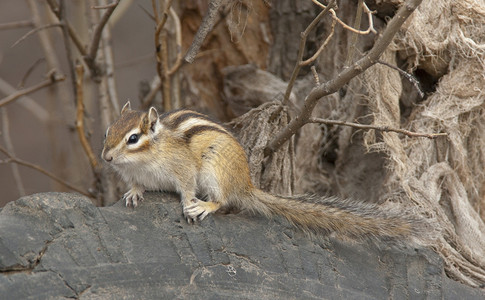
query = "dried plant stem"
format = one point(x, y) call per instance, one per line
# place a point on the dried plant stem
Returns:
point(366, 10)
point(13, 159)
point(80, 119)
point(204, 28)
point(22, 38)
point(379, 128)
point(53, 78)
point(301, 50)
point(344, 76)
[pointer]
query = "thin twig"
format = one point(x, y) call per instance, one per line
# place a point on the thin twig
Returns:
point(72, 34)
point(53, 78)
point(366, 10)
point(94, 46)
point(37, 110)
point(161, 23)
point(408, 76)
point(301, 50)
point(29, 71)
point(13, 159)
point(17, 24)
point(80, 119)
point(379, 128)
point(22, 38)
point(324, 44)
point(344, 76)
point(204, 28)
point(315, 75)
point(8, 142)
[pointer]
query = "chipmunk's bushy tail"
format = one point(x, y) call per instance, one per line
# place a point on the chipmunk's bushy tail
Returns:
point(347, 218)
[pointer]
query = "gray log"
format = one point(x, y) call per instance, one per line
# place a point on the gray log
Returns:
point(57, 245)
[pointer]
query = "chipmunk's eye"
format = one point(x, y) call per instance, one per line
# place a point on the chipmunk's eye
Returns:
point(133, 138)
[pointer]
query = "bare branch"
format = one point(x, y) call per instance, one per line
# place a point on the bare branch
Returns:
point(72, 34)
point(380, 128)
point(28, 103)
point(34, 31)
point(53, 78)
point(80, 119)
point(315, 75)
point(344, 76)
point(13, 159)
point(301, 49)
point(204, 28)
point(29, 71)
point(324, 44)
point(161, 23)
point(408, 76)
point(94, 46)
point(366, 10)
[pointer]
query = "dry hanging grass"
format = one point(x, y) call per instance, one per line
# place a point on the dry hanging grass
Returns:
point(444, 178)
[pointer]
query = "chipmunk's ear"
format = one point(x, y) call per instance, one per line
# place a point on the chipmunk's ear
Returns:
point(126, 107)
point(153, 118)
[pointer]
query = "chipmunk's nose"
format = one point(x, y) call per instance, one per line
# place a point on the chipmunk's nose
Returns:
point(107, 157)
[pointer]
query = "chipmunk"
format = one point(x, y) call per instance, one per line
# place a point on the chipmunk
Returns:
point(184, 151)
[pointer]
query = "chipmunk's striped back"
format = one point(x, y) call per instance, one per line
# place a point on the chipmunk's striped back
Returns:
point(188, 123)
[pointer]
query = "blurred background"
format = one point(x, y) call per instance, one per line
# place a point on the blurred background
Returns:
point(42, 123)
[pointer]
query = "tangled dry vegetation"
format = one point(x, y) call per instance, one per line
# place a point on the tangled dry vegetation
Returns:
point(442, 178)
point(445, 178)
point(355, 124)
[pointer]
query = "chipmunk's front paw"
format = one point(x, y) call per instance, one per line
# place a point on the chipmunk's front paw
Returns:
point(132, 197)
point(197, 210)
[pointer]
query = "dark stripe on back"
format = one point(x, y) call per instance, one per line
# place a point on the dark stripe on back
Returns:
point(189, 115)
point(172, 122)
point(200, 129)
